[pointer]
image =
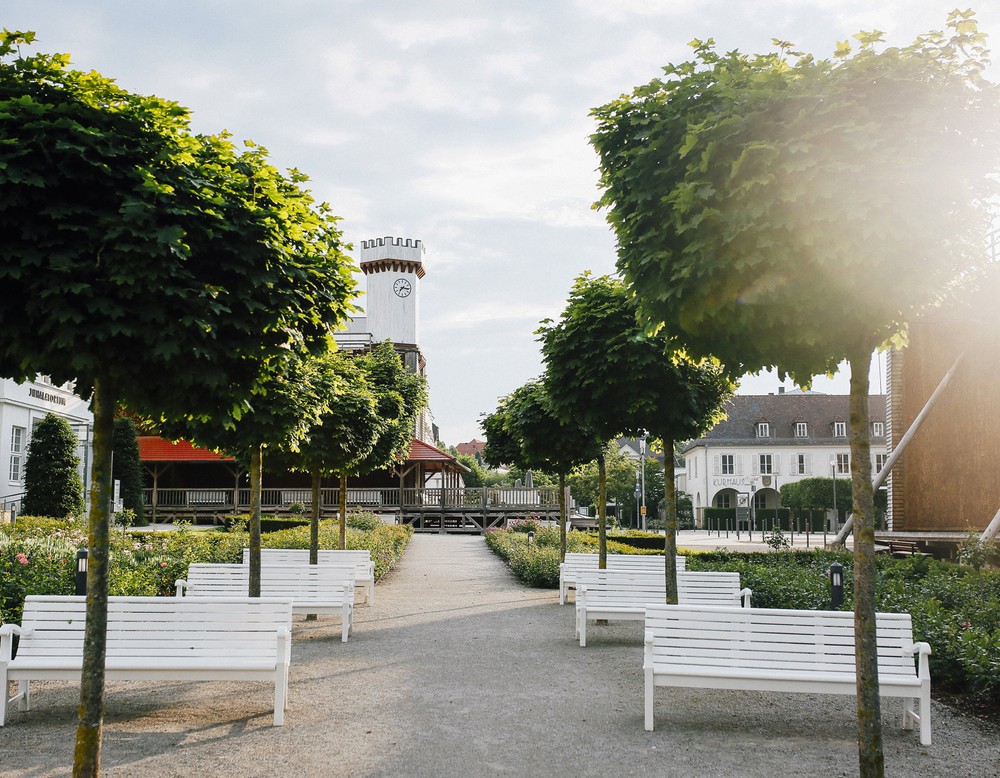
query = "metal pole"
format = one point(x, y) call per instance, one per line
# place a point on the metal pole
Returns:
point(642, 457)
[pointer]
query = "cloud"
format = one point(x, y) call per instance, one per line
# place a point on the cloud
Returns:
point(549, 179)
point(324, 137)
point(406, 33)
point(488, 312)
point(621, 11)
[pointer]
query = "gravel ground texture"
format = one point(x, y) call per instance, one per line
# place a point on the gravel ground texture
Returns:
point(459, 670)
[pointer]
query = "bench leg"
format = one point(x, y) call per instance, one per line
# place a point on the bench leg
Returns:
point(280, 697)
point(925, 715)
point(562, 593)
point(581, 627)
point(345, 623)
point(650, 688)
point(908, 713)
point(24, 695)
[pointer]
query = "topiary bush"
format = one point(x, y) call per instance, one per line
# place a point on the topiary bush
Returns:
point(52, 483)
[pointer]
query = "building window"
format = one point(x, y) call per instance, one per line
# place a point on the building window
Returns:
point(763, 429)
point(765, 464)
point(724, 500)
point(801, 429)
point(799, 463)
point(728, 464)
point(843, 464)
point(16, 453)
point(694, 467)
point(878, 429)
point(880, 460)
point(840, 429)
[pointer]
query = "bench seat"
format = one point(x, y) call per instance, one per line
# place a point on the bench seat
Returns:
point(763, 649)
point(360, 559)
point(152, 638)
point(576, 561)
point(622, 595)
point(318, 589)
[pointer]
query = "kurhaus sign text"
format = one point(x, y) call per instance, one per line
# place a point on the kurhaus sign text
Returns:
point(51, 398)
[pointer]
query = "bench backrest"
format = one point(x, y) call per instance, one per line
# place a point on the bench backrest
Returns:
point(772, 639)
point(151, 627)
point(301, 582)
point(360, 558)
point(692, 587)
point(579, 561)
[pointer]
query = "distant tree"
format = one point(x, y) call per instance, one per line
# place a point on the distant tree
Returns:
point(608, 372)
point(525, 431)
point(157, 268)
point(127, 467)
point(800, 213)
point(620, 474)
point(52, 482)
point(476, 477)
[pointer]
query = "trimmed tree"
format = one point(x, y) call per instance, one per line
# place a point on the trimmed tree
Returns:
point(526, 432)
point(798, 213)
point(155, 267)
point(52, 483)
point(609, 372)
point(127, 467)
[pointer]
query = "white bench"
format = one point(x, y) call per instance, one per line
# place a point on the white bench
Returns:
point(361, 560)
point(152, 638)
point(782, 651)
point(624, 594)
point(576, 561)
point(311, 588)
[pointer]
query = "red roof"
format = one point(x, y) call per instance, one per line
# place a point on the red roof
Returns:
point(471, 448)
point(156, 449)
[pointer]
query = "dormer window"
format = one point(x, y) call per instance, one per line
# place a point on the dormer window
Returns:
point(840, 429)
point(801, 429)
point(878, 429)
point(763, 429)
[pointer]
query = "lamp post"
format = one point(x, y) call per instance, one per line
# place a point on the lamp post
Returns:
point(642, 460)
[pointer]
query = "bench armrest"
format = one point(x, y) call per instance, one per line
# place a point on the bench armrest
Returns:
point(181, 585)
point(745, 597)
point(923, 666)
point(7, 631)
point(647, 652)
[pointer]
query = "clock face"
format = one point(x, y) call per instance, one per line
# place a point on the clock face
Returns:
point(402, 287)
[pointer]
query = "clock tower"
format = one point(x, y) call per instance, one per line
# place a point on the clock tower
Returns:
point(393, 268)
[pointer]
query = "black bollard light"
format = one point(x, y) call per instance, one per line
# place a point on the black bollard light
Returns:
point(531, 537)
point(836, 585)
point(81, 571)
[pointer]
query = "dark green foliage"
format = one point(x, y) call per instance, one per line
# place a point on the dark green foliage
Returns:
point(52, 482)
point(476, 476)
point(127, 468)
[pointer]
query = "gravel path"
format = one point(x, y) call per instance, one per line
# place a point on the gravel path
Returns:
point(458, 670)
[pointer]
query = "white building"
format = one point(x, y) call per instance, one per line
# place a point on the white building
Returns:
point(775, 439)
point(393, 268)
point(22, 406)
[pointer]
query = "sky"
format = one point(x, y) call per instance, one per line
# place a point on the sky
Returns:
point(461, 123)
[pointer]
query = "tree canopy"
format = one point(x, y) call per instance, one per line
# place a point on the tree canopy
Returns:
point(157, 267)
point(782, 210)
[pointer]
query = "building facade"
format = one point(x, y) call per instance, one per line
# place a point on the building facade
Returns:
point(775, 439)
point(22, 406)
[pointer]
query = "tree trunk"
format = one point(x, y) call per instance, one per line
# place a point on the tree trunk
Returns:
point(670, 511)
point(562, 517)
point(317, 495)
point(602, 512)
point(870, 755)
point(256, 467)
point(90, 715)
point(343, 512)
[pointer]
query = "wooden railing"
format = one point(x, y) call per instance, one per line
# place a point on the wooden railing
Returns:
point(233, 500)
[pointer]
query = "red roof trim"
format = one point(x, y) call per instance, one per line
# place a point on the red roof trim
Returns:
point(155, 449)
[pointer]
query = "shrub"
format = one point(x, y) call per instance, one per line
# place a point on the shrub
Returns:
point(52, 484)
point(367, 522)
point(127, 468)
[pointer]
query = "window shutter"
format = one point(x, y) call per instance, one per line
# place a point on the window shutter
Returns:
point(755, 464)
point(808, 464)
point(738, 458)
point(776, 464)
point(716, 467)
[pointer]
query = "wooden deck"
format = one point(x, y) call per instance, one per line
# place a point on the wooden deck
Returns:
point(427, 510)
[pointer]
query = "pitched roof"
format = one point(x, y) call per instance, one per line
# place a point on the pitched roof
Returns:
point(782, 411)
point(425, 452)
point(155, 449)
point(471, 448)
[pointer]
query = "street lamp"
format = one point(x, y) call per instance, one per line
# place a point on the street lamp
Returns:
point(642, 460)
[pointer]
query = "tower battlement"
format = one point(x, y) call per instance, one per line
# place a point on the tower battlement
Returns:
point(406, 249)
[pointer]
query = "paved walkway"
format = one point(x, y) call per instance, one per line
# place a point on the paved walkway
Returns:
point(458, 670)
